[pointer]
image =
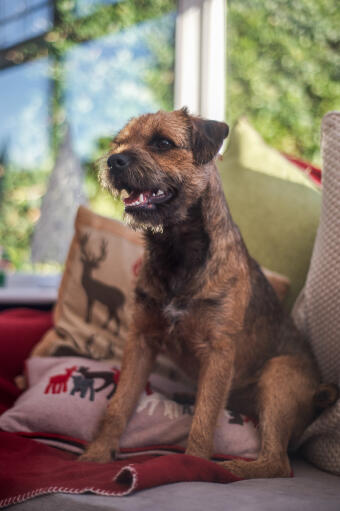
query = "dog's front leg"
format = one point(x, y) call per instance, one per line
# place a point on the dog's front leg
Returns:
point(137, 363)
point(215, 377)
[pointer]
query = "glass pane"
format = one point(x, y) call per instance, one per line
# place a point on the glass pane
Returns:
point(11, 8)
point(38, 22)
point(86, 7)
point(12, 32)
point(88, 91)
point(24, 153)
point(116, 77)
point(21, 24)
point(24, 103)
point(284, 69)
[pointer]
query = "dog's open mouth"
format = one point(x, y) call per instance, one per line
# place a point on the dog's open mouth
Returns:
point(145, 200)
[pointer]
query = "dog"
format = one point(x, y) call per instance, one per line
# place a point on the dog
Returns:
point(201, 298)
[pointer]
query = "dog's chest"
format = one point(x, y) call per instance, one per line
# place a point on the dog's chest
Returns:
point(174, 313)
point(180, 327)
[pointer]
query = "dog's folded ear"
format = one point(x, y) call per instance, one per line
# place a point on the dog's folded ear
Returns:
point(206, 138)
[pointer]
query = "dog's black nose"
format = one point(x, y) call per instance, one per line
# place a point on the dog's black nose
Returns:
point(118, 161)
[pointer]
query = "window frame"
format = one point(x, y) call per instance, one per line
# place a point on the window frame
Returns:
point(200, 57)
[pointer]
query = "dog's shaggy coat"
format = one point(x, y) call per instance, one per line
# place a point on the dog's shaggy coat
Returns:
point(201, 297)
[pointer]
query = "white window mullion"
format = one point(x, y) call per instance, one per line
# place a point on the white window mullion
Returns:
point(200, 71)
point(213, 59)
point(188, 55)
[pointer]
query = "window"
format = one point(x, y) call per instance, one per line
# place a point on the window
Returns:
point(110, 79)
point(22, 20)
point(71, 74)
point(86, 7)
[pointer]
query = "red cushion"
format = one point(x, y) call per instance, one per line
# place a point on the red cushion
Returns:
point(313, 172)
point(20, 330)
point(8, 394)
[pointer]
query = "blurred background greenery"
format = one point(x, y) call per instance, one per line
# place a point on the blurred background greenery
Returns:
point(284, 69)
point(90, 65)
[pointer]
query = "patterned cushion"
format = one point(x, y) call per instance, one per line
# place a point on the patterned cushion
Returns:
point(90, 316)
point(67, 397)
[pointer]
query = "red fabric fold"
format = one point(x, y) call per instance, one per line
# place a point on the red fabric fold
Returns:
point(173, 468)
point(20, 330)
point(29, 469)
point(8, 394)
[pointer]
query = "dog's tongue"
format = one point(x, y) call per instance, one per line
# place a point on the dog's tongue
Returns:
point(137, 198)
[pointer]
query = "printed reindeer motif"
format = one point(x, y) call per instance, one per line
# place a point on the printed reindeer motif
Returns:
point(94, 346)
point(110, 378)
point(82, 385)
point(96, 290)
point(58, 383)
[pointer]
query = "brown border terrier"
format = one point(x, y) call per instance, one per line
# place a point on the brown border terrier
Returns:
point(201, 298)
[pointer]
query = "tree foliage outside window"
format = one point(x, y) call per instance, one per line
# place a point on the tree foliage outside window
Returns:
point(284, 69)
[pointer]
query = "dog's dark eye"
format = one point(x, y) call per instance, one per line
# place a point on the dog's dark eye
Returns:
point(162, 144)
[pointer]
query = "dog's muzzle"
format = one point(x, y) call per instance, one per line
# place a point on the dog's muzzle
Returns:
point(134, 198)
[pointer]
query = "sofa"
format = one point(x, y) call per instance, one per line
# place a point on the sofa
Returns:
point(315, 483)
point(309, 490)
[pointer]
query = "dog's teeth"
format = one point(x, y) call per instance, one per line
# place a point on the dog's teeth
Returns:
point(160, 192)
point(141, 198)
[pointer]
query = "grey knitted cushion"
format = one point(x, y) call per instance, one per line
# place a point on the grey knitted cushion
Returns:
point(317, 310)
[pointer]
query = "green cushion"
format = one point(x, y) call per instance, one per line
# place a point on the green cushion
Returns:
point(275, 205)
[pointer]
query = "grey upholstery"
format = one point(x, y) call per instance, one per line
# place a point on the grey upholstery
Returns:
point(309, 490)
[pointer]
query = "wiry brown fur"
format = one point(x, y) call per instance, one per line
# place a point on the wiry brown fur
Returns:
point(204, 300)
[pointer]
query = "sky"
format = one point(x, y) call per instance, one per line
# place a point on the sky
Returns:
point(24, 111)
point(104, 88)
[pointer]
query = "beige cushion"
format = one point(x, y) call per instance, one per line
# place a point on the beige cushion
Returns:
point(98, 338)
point(67, 397)
point(317, 311)
point(112, 249)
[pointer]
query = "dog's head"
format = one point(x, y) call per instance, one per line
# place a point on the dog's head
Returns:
point(158, 165)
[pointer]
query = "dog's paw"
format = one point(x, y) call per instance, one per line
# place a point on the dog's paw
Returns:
point(98, 454)
point(197, 450)
point(258, 468)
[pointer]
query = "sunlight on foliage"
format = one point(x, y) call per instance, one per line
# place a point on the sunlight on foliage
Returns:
point(284, 69)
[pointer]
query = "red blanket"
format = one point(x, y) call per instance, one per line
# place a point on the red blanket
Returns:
point(28, 468)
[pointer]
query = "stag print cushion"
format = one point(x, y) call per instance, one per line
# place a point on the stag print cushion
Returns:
point(91, 313)
point(67, 397)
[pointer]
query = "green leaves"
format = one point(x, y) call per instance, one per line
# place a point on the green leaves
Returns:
point(284, 69)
